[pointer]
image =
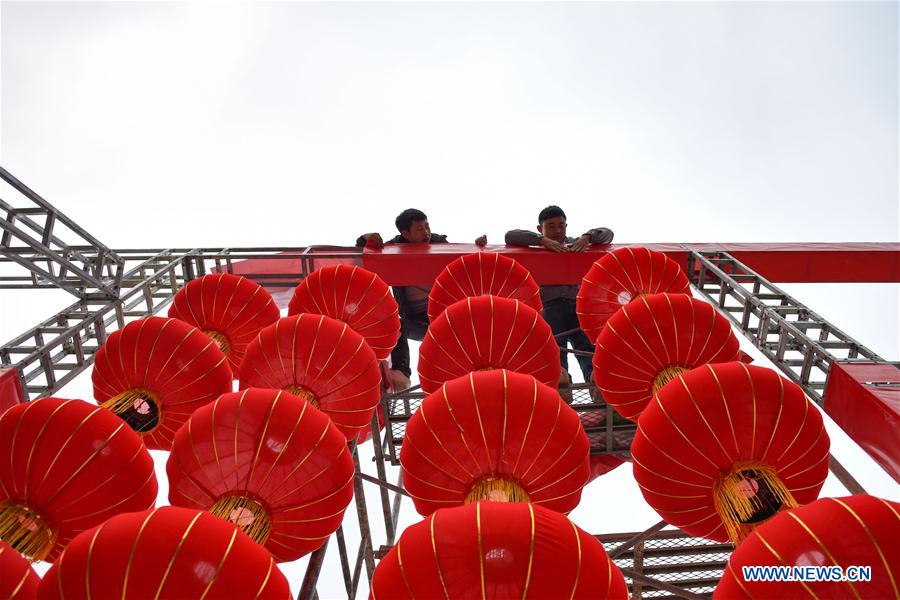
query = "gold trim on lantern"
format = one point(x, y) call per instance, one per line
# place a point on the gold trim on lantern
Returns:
point(736, 507)
point(220, 339)
point(667, 374)
point(497, 489)
point(302, 392)
point(30, 534)
point(248, 514)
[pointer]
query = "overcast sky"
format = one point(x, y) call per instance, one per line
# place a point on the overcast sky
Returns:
point(274, 124)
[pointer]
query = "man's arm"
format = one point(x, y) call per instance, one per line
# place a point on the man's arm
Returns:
point(522, 237)
point(365, 238)
point(599, 235)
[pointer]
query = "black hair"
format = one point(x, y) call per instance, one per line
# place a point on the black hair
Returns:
point(405, 219)
point(550, 212)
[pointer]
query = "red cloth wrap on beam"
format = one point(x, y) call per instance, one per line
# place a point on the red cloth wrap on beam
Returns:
point(870, 414)
point(10, 390)
point(420, 264)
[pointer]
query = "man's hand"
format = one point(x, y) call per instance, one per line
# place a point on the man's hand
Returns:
point(399, 380)
point(581, 244)
point(481, 240)
point(553, 245)
point(374, 240)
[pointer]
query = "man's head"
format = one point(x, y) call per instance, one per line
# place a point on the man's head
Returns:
point(413, 225)
point(552, 223)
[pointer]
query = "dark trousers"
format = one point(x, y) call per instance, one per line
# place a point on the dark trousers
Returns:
point(411, 328)
point(560, 315)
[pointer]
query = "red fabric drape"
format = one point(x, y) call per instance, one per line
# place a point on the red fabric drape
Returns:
point(73, 464)
point(167, 553)
point(355, 296)
point(496, 550)
point(494, 424)
point(488, 332)
point(710, 421)
point(651, 335)
point(322, 360)
point(229, 307)
point(830, 532)
point(482, 274)
point(619, 277)
point(271, 447)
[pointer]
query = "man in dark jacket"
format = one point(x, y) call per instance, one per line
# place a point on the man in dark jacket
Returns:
point(559, 300)
point(412, 301)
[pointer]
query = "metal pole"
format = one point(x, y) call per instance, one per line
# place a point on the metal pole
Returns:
point(313, 569)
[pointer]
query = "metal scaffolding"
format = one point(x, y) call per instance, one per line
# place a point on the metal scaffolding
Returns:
point(114, 287)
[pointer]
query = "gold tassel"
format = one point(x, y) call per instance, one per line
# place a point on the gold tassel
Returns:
point(748, 495)
point(665, 376)
point(249, 515)
point(220, 339)
point(138, 407)
point(26, 531)
point(302, 392)
point(497, 490)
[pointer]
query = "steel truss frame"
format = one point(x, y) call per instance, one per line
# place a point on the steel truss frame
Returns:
point(113, 287)
point(797, 340)
point(31, 238)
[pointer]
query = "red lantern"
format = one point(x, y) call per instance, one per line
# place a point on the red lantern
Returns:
point(269, 462)
point(653, 339)
point(496, 435)
point(68, 465)
point(497, 550)
point(18, 581)
point(724, 447)
point(828, 537)
point(228, 308)
point(488, 332)
point(620, 277)
point(355, 296)
point(155, 372)
point(321, 360)
point(167, 553)
point(482, 274)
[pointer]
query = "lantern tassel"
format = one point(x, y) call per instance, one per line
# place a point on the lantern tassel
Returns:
point(302, 392)
point(749, 494)
point(220, 339)
point(667, 374)
point(139, 407)
point(26, 531)
point(497, 490)
point(246, 513)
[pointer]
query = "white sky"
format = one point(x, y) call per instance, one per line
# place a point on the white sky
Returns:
point(276, 124)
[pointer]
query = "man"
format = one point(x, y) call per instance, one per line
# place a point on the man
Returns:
point(559, 300)
point(412, 301)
